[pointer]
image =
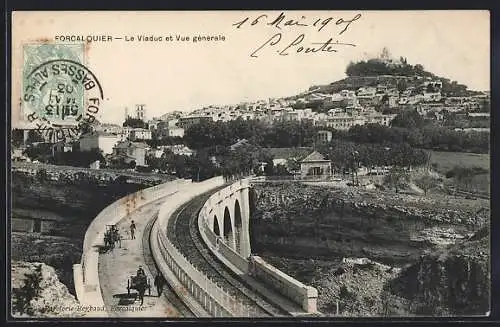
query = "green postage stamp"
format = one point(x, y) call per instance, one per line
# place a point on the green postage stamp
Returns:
point(59, 92)
point(58, 98)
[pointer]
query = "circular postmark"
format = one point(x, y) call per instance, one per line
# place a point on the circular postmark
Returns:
point(61, 98)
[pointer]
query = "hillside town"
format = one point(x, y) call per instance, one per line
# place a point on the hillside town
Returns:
point(364, 98)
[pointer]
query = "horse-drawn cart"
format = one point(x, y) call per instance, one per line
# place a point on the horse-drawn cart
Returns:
point(139, 283)
point(111, 236)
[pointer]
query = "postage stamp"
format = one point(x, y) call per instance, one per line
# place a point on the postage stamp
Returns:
point(60, 94)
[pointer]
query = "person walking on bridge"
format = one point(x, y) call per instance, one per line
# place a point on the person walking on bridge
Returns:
point(159, 282)
point(132, 230)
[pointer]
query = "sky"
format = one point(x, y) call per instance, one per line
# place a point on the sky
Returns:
point(186, 75)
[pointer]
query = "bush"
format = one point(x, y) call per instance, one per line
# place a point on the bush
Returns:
point(30, 290)
point(143, 169)
point(41, 174)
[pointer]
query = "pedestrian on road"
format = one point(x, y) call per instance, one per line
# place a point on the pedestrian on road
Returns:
point(132, 230)
point(140, 272)
point(159, 282)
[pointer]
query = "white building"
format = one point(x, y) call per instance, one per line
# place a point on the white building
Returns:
point(140, 111)
point(434, 96)
point(175, 132)
point(341, 122)
point(367, 91)
point(99, 140)
point(140, 134)
point(347, 94)
point(384, 120)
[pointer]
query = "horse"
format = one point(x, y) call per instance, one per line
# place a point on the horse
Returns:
point(108, 240)
point(116, 237)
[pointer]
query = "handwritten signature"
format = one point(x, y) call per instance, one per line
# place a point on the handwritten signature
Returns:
point(328, 46)
point(298, 45)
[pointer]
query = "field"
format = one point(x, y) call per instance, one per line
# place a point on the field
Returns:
point(448, 160)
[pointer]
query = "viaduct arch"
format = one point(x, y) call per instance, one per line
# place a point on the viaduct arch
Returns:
point(227, 215)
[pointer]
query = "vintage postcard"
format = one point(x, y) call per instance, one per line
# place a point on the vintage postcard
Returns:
point(279, 164)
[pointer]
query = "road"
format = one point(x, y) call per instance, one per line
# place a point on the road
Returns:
point(117, 265)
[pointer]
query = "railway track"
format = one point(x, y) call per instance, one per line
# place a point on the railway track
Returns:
point(183, 232)
point(168, 292)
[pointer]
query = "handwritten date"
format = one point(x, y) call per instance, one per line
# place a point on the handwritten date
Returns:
point(296, 45)
point(303, 21)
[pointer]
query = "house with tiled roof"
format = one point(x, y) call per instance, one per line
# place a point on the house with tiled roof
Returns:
point(128, 152)
point(315, 165)
point(238, 144)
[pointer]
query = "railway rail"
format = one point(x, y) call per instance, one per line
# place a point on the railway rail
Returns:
point(150, 263)
point(183, 233)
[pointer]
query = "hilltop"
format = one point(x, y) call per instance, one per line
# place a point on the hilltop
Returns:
point(395, 73)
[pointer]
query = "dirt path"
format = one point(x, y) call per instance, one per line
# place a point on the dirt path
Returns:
point(116, 266)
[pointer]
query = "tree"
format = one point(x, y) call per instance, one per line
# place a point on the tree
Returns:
point(385, 53)
point(426, 182)
point(402, 85)
point(79, 158)
point(30, 290)
point(397, 178)
point(34, 136)
point(134, 123)
point(281, 170)
point(408, 119)
point(293, 164)
point(17, 137)
point(419, 69)
point(269, 168)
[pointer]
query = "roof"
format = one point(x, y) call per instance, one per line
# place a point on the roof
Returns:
point(314, 156)
point(99, 133)
point(120, 156)
point(238, 144)
point(285, 153)
point(128, 144)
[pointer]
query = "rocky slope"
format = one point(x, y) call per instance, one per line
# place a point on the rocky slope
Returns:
point(307, 221)
point(53, 300)
point(307, 230)
point(356, 288)
point(57, 251)
point(452, 280)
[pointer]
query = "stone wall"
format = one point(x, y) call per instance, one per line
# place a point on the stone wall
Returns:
point(70, 193)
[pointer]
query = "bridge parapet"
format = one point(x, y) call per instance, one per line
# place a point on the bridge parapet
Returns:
point(305, 296)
